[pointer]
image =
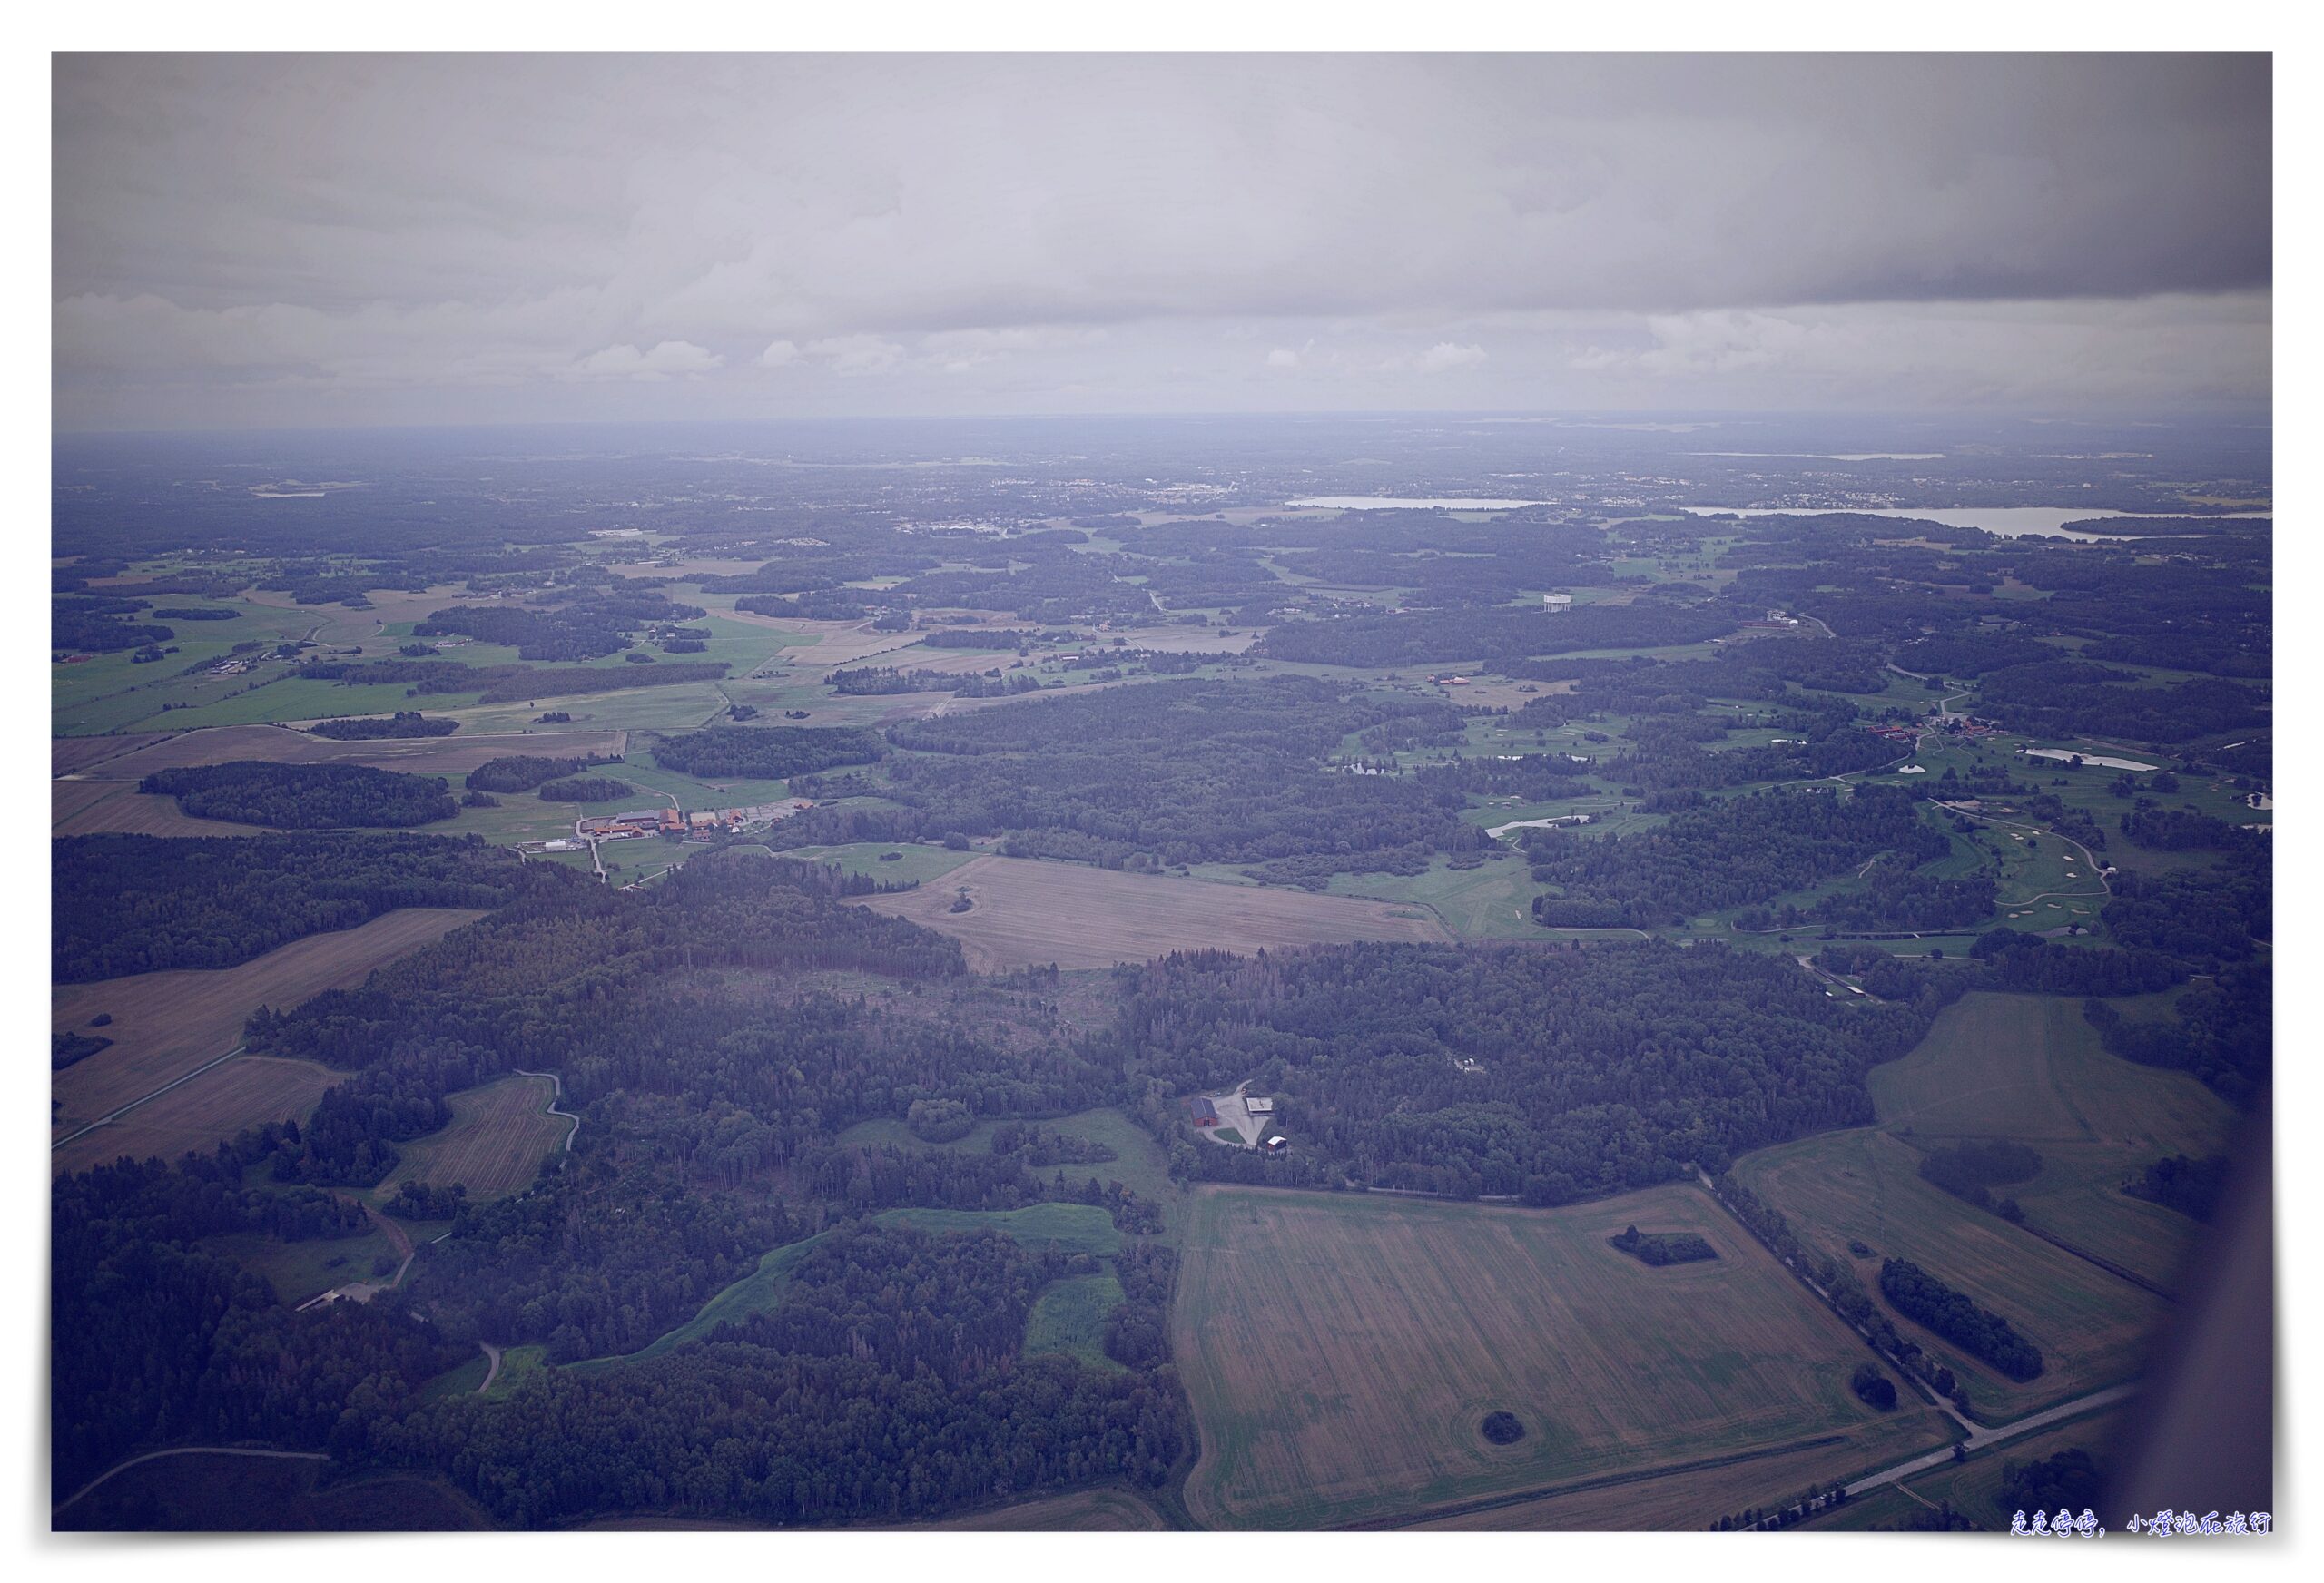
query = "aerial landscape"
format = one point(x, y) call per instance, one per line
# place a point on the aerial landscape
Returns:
point(1684, 948)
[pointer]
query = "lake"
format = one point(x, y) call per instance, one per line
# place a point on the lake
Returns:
point(2005, 521)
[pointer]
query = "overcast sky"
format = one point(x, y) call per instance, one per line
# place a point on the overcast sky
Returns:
point(284, 240)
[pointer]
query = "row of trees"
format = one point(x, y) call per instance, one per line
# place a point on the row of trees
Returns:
point(1924, 1299)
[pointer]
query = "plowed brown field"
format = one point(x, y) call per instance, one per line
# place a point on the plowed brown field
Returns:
point(202, 1112)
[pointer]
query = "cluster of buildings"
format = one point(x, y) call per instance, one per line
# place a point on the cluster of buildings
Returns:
point(1203, 1111)
point(678, 823)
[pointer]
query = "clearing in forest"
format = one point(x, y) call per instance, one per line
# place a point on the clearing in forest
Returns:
point(1027, 913)
point(498, 1137)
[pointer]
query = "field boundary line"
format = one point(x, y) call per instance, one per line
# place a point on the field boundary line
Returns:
point(2119, 1272)
point(156, 1093)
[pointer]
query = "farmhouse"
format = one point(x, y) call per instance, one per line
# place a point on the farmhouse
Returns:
point(1277, 1144)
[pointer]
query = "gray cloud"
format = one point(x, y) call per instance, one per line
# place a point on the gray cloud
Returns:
point(349, 236)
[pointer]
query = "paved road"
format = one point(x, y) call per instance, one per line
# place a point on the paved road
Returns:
point(492, 1366)
point(556, 1098)
point(1983, 1438)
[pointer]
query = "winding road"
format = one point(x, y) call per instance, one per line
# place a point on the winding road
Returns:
point(183, 1451)
point(557, 1097)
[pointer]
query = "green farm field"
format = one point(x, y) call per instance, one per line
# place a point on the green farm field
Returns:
point(1341, 1353)
point(760, 1292)
point(298, 1271)
point(1492, 901)
point(1069, 1317)
point(914, 860)
point(2093, 1327)
point(2031, 1067)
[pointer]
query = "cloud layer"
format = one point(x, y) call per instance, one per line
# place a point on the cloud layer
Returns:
point(370, 239)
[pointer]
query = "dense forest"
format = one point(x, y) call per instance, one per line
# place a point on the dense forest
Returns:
point(586, 789)
point(595, 625)
point(304, 796)
point(765, 753)
point(1723, 854)
point(500, 683)
point(141, 903)
point(2223, 1032)
point(1547, 1075)
point(2191, 1187)
point(1179, 772)
point(1501, 639)
point(523, 771)
point(156, 1337)
point(403, 723)
point(1972, 1168)
point(888, 1386)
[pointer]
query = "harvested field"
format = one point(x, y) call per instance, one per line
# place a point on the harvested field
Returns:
point(1029, 912)
point(431, 755)
point(92, 806)
point(244, 1092)
point(2093, 1327)
point(70, 755)
point(500, 1134)
point(1342, 1349)
point(166, 1025)
point(831, 643)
